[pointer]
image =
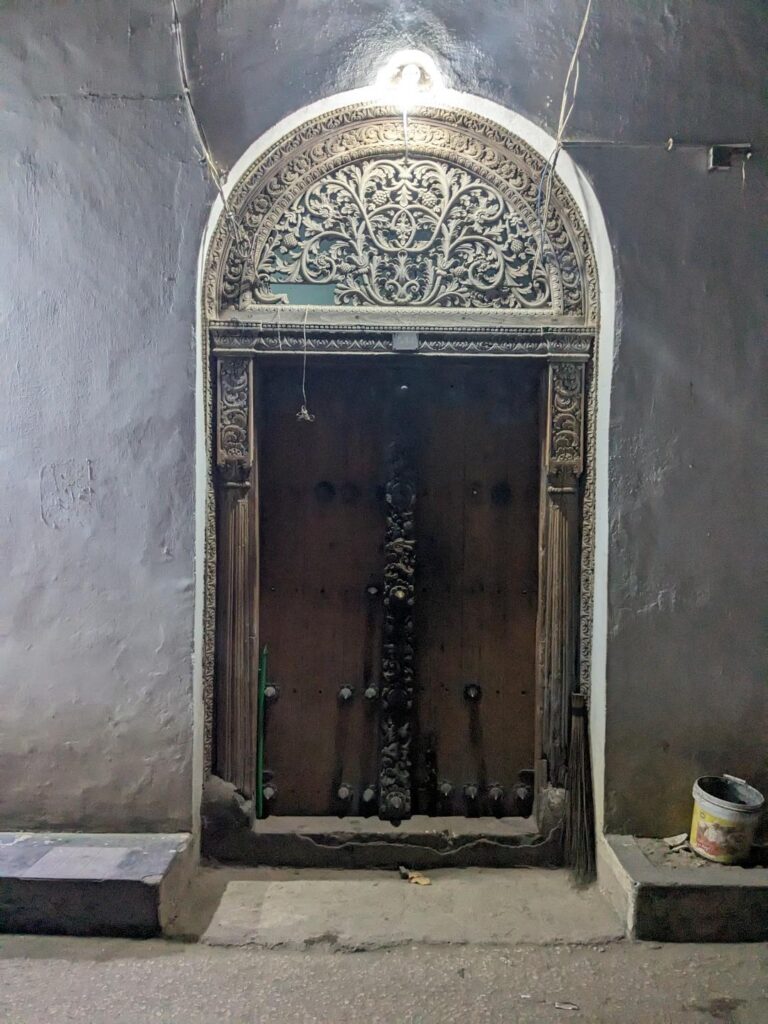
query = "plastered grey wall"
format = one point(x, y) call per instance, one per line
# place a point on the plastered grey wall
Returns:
point(104, 203)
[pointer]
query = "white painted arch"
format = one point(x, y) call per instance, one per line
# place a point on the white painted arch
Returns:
point(589, 207)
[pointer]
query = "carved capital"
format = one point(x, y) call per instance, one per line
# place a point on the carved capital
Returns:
point(565, 419)
point(234, 417)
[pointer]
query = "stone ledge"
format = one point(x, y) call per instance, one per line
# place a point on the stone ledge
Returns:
point(363, 843)
point(229, 836)
point(710, 903)
point(69, 883)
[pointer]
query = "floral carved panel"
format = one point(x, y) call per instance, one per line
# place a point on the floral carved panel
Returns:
point(406, 232)
point(457, 224)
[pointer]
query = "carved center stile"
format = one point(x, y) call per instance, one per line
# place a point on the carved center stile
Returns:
point(397, 662)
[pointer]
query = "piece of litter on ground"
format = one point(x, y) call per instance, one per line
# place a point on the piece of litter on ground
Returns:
point(414, 877)
point(673, 842)
point(525, 995)
point(566, 1006)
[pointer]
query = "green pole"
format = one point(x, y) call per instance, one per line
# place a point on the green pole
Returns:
point(262, 684)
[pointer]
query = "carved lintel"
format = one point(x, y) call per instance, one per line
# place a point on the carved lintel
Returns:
point(234, 416)
point(397, 667)
point(565, 418)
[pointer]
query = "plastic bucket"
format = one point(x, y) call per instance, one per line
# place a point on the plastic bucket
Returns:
point(725, 815)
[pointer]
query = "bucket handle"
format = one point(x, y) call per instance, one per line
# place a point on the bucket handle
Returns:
point(733, 778)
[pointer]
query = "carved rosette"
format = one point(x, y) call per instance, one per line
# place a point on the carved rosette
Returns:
point(397, 667)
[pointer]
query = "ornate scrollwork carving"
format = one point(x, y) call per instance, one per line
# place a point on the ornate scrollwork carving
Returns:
point(336, 203)
point(566, 412)
point(420, 232)
point(234, 412)
point(397, 666)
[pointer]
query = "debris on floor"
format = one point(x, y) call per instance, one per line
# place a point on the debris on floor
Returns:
point(414, 877)
point(676, 842)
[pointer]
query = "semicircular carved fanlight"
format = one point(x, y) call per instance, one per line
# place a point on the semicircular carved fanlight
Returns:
point(337, 215)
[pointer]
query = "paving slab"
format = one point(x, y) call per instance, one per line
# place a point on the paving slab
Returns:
point(91, 884)
point(460, 906)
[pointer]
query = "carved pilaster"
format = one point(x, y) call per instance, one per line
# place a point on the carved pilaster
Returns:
point(234, 413)
point(397, 667)
point(235, 686)
point(559, 561)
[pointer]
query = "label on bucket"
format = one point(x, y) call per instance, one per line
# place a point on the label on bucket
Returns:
point(717, 838)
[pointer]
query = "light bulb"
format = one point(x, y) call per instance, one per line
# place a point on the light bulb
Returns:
point(407, 86)
point(408, 78)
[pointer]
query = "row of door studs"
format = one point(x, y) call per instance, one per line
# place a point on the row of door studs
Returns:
point(471, 792)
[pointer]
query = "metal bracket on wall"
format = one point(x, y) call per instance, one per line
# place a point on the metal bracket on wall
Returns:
point(721, 154)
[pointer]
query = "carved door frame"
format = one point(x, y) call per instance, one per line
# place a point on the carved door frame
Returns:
point(242, 320)
point(564, 571)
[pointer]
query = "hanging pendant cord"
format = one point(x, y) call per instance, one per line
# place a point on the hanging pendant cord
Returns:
point(304, 414)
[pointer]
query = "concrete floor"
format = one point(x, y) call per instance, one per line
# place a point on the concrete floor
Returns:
point(117, 981)
point(560, 959)
point(364, 910)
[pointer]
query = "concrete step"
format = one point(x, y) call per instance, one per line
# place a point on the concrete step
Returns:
point(355, 911)
point(675, 896)
point(68, 883)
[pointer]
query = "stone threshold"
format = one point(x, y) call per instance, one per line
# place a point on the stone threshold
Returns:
point(347, 911)
point(421, 842)
point(704, 902)
point(78, 883)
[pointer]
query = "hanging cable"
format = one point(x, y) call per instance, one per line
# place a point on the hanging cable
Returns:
point(304, 414)
point(213, 169)
point(567, 102)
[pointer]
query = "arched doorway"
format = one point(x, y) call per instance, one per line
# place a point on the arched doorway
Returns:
point(433, 260)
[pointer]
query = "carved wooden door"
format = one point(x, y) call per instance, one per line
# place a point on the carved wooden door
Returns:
point(398, 562)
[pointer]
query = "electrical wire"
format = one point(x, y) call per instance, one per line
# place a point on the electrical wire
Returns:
point(567, 103)
point(459, 848)
point(213, 169)
point(304, 414)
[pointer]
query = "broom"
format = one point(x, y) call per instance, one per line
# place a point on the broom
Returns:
point(579, 841)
